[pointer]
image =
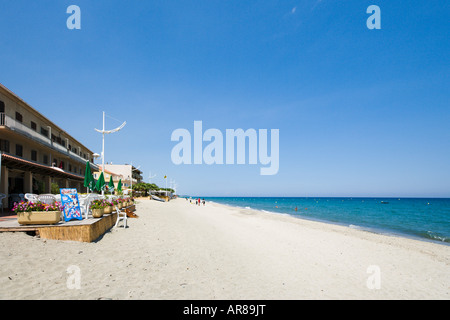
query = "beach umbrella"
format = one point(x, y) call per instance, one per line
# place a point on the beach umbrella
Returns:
point(89, 181)
point(100, 182)
point(111, 184)
point(119, 185)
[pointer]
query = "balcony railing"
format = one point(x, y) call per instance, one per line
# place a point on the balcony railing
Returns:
point(17, 126)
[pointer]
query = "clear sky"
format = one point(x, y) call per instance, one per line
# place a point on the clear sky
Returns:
point(360, 112)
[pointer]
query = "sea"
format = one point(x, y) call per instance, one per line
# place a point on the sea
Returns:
point(420, 218)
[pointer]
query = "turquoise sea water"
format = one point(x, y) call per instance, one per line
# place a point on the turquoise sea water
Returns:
point(412, 217)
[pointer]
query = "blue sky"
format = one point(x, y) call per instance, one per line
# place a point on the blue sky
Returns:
point(360, 112)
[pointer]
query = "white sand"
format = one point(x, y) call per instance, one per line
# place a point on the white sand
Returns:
point(178, 250)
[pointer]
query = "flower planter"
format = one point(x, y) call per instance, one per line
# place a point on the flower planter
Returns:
point(97, 213)
point(39, 217)
point(108, 210)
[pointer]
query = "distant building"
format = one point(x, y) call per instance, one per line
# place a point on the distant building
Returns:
point(35, 152)
point(107, 175)
point(129, 174)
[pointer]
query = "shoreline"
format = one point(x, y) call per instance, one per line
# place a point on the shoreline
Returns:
point(178, 250)
point(376, 230)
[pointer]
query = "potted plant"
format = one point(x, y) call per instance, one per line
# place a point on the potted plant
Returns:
point(120, 203)
point(115, 202)
point(97, 207)
point(38, 212)
point(108, 207)
point(130, 201)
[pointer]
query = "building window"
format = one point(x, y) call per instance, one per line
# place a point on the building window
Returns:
point(2, 113)
point(70, 167)
point(33, 126)
point(18, 117)
point(58, 140)
point(44, 132)
point(33, 155)
point(4, 146)
point(19, 150)
point(61, 165)
point(45, 159)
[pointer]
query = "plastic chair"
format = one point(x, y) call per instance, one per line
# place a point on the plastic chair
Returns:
point(31, 197)
point(121, 216)
point(82, 199)
point(85, 202)
point(47, 198)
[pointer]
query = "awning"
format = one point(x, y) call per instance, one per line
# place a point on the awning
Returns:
point(13, 162)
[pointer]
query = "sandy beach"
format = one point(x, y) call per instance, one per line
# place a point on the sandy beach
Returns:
point(178, 250)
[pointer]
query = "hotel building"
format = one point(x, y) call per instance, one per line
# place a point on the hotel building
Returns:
point(128, 173)
point(36, 154)
point(107, 175)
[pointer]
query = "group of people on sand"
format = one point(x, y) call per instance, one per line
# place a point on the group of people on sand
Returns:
point(197, 201)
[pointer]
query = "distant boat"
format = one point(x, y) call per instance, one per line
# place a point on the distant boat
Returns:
point(157, 198)
point(384, 202)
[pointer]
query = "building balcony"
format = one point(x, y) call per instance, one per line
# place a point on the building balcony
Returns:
point(16, 126)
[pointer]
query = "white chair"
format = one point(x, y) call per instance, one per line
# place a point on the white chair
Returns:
point(82, 198)
point(31, 197)
point(85, 202)
point(121, 216)
point(2, 196)
point(47, 198)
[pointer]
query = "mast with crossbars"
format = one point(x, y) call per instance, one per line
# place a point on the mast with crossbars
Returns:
point(103, 132)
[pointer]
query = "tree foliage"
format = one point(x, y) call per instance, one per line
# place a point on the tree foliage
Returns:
point(144, 188)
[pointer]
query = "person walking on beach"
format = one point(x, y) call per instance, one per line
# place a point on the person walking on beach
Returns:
point(199, 201)
point(203, 201)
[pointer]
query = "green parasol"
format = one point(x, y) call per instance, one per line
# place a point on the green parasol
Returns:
point(119, 186)
point(89, 181)
point(111, 184)
point(100, 182)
